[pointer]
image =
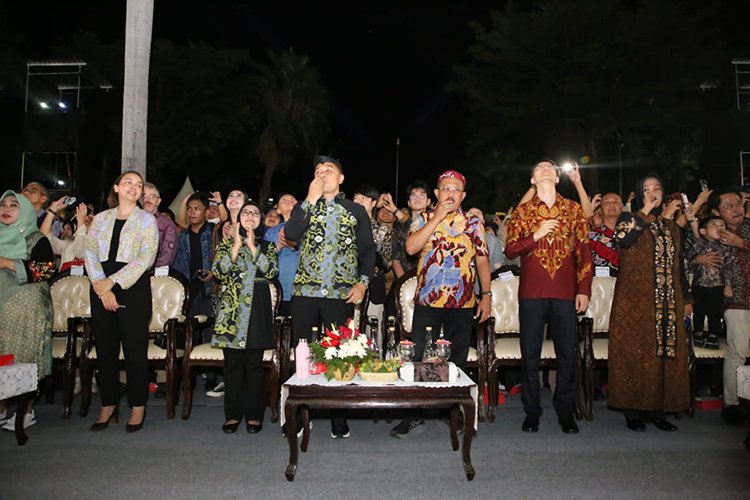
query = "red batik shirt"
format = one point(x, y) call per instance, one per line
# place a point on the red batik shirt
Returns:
point(557, 266)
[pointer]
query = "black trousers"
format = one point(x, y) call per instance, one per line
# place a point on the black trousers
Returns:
point(129, 327)
point(707, 304)
point(456, 323)
point(561, 317)
point(308, 312)
point(245, 384)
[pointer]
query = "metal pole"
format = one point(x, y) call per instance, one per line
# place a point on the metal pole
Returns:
point(398, 145)
point(619, 164)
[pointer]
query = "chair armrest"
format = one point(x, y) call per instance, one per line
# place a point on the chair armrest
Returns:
point(488, 339)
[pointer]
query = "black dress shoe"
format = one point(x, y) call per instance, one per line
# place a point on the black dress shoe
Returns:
point(254, 428)
point(661, 423)
point(530, 424)
point(635, 424)
point(230, 428)
point(568, 425)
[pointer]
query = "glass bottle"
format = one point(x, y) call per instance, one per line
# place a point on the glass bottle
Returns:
point(429, 347)
point(391, 352)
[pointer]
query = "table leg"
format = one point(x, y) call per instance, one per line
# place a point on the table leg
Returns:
point(305, 414)
point(454, 425)
point(290, 413)
point(23, 404)
point(468, 434)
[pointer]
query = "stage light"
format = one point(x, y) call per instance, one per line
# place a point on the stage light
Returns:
point(61, 182)
point(43, 105)
point(62, 105)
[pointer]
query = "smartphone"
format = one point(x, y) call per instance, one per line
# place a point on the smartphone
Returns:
point(704, 185)
point(69, 200)
point(685, 202)
point(567, 167)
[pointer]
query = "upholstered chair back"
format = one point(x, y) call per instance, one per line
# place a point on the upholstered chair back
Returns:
point(167, 301)
point(600, 305)
point(505, 305)
point(406, 295)
point(70, 299)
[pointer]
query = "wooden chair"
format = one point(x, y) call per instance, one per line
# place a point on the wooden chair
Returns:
point(502, 331)
point(70, 308)
point(206, 356)
point(595, 330)
point(170, 300)
point(405, 290)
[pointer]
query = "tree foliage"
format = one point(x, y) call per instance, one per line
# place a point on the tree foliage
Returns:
point(292, 103)
point(568, 79)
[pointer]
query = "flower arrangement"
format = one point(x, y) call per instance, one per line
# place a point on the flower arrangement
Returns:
point(341, 350)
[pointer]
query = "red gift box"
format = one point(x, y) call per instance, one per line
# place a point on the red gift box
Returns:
point(6, 359)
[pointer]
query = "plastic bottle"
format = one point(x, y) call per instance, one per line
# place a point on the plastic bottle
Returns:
point(302, 359)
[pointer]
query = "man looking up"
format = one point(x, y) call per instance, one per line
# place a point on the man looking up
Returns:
point(287, 250)
point(729, 206)
point(167, 228)
point(38, 195)
point(337, 257)
point(452, 251)
point(550, 234)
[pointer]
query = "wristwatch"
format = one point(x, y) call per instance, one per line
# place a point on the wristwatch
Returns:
point(487, 293)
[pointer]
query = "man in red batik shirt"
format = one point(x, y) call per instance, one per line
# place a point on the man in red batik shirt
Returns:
point(550, 234)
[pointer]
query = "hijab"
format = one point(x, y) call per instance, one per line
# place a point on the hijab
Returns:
point(638, 202)
point(13, 236)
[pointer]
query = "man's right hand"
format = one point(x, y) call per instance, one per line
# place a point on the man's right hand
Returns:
point(709, 259)
point(444, 208)
point(546, 227)
point(315, 191)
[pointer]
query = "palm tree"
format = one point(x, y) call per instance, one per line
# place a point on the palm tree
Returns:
point(138, 23)
point(293, 106)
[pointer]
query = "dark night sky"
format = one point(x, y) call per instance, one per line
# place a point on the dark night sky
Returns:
point(386, 65)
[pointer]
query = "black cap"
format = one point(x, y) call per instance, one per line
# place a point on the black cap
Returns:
point(327, 159)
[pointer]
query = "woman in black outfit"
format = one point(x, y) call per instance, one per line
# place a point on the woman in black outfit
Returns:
point(121, 246)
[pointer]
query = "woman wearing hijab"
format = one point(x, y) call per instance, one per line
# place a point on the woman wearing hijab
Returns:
point(243, 266)
point(648, 357)
point(121, 246)
point(26, 262)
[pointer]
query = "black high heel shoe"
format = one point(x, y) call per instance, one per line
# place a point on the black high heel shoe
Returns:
point(131, 428)
point(113, 417)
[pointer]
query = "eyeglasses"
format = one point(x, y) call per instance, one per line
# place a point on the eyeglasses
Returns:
point(150, 196)
point(248, 213)
point(30, 189)
point(731, 206)
point(418, 196)
point(450, 189)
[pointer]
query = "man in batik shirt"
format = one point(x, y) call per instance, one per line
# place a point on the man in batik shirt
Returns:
point(453, 252)
point(550, 234)
point(337, 257)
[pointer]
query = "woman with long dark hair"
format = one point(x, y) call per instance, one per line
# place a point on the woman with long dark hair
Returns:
point(648, 356)
point(121, 246)
point(243, 266)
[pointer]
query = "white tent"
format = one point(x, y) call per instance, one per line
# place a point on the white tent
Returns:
point(186, 190)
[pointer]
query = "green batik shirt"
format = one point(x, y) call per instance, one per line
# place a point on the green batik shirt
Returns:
point(336, 247)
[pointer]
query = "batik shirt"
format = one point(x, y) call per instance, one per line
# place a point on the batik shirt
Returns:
point(446, 271)
point(336, 247)
point(740, 287)
point(602, 244)
point(707, 276)
point(557, 266)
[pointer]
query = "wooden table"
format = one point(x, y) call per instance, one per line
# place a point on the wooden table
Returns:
point(19, 381)
point(299, 395)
